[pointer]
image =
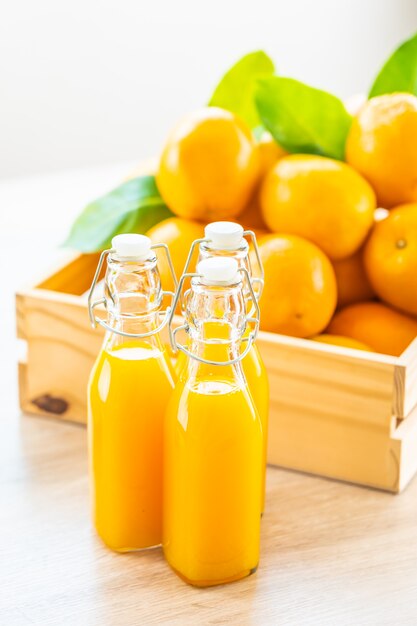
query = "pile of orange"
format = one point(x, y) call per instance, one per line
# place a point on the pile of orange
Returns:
point(335, 270)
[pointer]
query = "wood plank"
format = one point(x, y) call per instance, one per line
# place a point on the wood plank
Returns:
point(342, 449)
point(73, 277)
point(404, 446)
point(409, 361)
point(339, 383)
point(61, 350)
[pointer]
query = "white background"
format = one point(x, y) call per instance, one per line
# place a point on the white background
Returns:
point(89, 82)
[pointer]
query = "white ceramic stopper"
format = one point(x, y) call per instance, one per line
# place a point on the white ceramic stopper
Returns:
point(224, 235)
point(218, 271)
point(132, 246)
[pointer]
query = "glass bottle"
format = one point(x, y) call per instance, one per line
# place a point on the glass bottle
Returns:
point(213, 444)
point(227, 239)
point(128, 391)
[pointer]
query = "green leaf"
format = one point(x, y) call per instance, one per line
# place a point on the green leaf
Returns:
point(400, 71)
point(302, 118)
point(235, 90)
point(134, 206)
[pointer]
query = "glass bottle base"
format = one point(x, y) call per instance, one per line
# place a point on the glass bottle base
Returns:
point(214, 583)
point(128, 550)
point(125, 549)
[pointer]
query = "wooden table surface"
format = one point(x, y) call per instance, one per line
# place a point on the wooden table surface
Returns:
point(331, 553)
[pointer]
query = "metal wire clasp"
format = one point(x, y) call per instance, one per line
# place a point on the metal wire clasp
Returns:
point(259, 280)
point(254, 280)
point(93, 304)
point(252, 320)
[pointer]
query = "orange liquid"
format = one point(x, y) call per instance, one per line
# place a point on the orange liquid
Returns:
point(213, 449)
point(129, 389)
point(257, 380)
point(255, 373)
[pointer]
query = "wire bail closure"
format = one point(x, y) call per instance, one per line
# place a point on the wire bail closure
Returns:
point(93, 304)
point(250, 339)
point(255, 280)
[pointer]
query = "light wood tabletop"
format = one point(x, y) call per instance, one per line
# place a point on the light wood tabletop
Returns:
point(331, 553)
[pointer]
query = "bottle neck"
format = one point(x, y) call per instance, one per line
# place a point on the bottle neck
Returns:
point(216, 322)
point(133, 300)
point(219, 352)
point(241, 255)
point(143, 327)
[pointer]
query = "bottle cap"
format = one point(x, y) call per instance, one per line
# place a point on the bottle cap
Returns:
point(224, 235)
point(218, 271)
point(132, 246)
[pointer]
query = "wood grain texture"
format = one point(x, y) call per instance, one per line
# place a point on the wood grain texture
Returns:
point(332, 554)
point(404, 449)
point(341, 383)
point(409, 361)
point(61, 350)
point(73, 277)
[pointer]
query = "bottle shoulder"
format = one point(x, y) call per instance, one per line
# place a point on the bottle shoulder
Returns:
point(135, 362)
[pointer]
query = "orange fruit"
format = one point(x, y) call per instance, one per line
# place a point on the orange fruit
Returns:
point(251, 218)
point(352, 282)
point(209, 166)
point(338, 340)
point(377, 325)
point(320, 199)
point(300, 295)
point(269, 153)
point(391, 258)
point(380, 214)
point(382, 146)
point(178, 234)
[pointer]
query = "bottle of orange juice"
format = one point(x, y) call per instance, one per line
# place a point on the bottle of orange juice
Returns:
point(128, 391)
point(228, 239)
point(213, 443)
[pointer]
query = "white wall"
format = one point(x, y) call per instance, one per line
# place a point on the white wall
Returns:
point(96, 81)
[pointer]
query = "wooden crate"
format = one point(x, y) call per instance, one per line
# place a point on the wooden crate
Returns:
point(337, 412)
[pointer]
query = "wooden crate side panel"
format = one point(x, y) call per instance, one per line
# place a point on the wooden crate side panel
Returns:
point(409, 359)
point(74, 277)
point(398, 401)
point(61, 350)
point(404, 443)
point(340, 385)
point(341, 449)
point(76, 413)
point(57, 329)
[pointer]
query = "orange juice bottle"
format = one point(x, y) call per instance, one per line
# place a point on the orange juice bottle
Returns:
point(128, 391)
point(213, 444)
point(227, 239)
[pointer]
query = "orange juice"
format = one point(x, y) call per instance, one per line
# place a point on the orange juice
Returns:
point(227, 239)
point(213, 442)
point(257, 379)
point(128, 392)
point(212, 473)
point(258, 385)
